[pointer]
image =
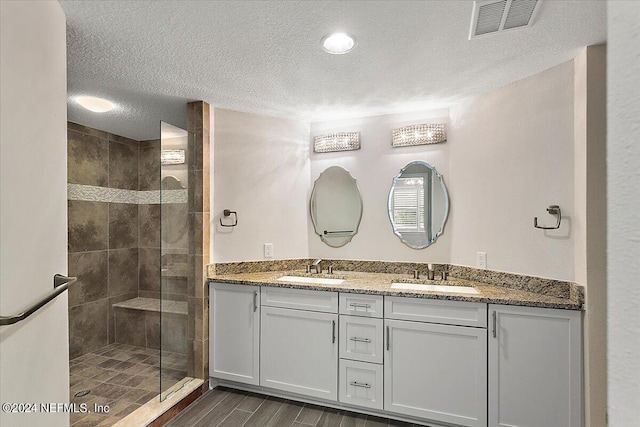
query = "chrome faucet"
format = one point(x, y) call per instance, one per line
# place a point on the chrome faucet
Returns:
point(431, 272)
point(315, 264)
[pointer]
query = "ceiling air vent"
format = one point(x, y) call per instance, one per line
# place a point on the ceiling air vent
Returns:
point(493, 16)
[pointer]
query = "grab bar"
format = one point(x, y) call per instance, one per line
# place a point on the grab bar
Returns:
point(60, 284)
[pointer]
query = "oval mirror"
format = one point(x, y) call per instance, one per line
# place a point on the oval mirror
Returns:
point(336, 206)
point(418, 205)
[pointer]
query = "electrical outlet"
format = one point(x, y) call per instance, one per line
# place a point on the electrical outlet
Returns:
point(268, 250)
point(481, 260)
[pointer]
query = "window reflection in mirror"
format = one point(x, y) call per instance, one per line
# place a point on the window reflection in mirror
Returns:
point(418, 205)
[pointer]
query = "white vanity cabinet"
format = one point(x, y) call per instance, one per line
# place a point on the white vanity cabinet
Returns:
point(436, 371)
point(425, 360)
point(535, 367)
point(299, 347)
point(234, 325)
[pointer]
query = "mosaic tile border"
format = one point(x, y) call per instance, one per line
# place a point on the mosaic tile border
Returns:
point(92, 193)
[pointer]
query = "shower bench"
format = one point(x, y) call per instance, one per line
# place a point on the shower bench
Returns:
point(170, 324)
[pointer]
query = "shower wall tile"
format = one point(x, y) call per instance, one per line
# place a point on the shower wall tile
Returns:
point(122, 140)
point(149, 166)
point(91, 270)
point(198, 119)
point(165, 296)
point(111, 314)
point(195, 190)
point(150, 143)
point(123, 271)
point(123, 225)
point(87, 130)
point(87, 327)
point(149, 220)
point(174, 286)
point(201, 316)
point(206, 190)
point(191, 314)
point(197, 275)
point(123, 162)
point(129, 327)
point(149, 269)
point(152, 330)
point(199, 358)
point(173, 333)
point(87, 159)
point(87, 222)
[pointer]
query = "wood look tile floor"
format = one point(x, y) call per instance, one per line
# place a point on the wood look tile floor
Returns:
point(226, 407)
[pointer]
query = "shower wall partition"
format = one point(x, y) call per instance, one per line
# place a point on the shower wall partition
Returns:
point(176, 146)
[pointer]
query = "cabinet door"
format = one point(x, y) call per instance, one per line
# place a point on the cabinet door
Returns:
point(299, 352)
point(436, 372)
point(535, 367)
point(234, 345)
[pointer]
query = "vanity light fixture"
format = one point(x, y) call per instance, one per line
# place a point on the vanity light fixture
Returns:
point(172, 157)
point(338, 43)
point(340, 141)
point(97, 105)
point(419, 135)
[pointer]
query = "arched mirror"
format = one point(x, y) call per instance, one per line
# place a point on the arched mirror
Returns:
point(336, 206)
point(418, 205)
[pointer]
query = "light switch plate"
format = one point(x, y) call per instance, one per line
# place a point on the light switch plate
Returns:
point(268, 250)
point(481, 260)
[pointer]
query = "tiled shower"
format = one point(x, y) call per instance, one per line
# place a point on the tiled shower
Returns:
point(115, 251)
point(139, 246)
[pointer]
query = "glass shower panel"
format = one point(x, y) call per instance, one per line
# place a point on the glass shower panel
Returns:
point(176, 145)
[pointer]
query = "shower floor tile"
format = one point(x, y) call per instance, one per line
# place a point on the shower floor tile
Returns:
point(121, 377)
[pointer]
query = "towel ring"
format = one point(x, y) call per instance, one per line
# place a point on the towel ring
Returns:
point(228, 213)
point(553, 210)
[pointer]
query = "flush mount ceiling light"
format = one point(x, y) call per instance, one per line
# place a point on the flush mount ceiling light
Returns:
point(97, 105)
point(338, 43)
point(418, 135)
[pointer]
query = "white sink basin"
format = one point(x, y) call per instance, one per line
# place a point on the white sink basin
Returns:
point(312, 280)
point(435, 288)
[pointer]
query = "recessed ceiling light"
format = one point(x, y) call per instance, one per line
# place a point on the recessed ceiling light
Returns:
point(338, 43)
point(97, 105)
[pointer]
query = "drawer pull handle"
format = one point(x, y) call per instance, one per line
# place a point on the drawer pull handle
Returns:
point(355, 305)
point(360, 339)
point(357, 384)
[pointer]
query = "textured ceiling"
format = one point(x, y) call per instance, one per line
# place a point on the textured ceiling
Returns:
point(150, 57)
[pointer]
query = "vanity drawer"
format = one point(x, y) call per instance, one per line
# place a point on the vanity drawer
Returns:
point(361, 305)
point(361, 384)
point(301, 299)
point(459, 313)
point(361, 339)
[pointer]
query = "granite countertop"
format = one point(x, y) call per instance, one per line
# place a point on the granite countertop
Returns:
point(380, 284)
